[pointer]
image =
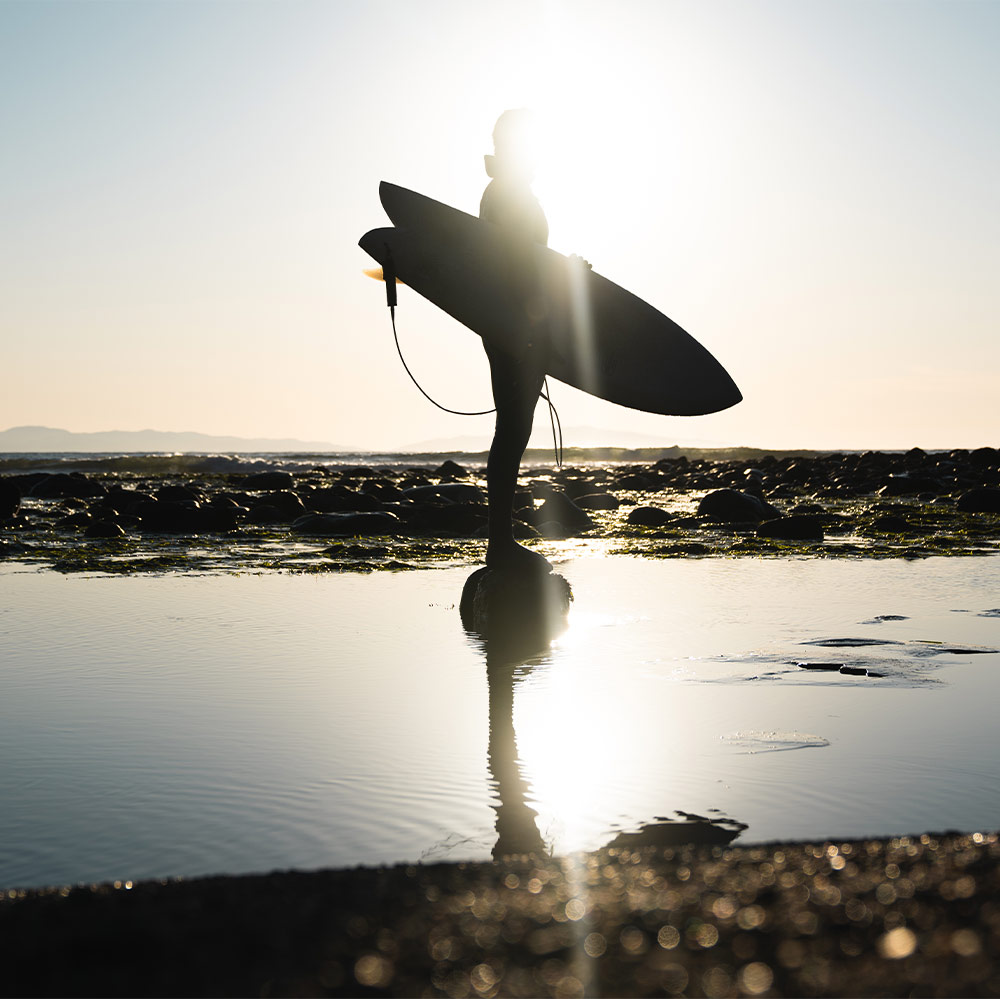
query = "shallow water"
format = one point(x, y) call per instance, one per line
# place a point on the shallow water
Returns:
point(183, 725)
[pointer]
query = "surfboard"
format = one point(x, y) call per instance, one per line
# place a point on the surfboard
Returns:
point(593, 334)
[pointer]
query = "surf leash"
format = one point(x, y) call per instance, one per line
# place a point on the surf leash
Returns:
point(389, 276)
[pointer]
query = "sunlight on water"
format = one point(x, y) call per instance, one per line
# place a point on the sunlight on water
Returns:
point(172, 725)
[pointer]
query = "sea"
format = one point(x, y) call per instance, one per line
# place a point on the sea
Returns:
point(184, 724)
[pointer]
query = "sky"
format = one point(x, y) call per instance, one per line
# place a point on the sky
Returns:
point(810, 189)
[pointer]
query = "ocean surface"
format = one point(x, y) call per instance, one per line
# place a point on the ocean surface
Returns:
point(178, 725)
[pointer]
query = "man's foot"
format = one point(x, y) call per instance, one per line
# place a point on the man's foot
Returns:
point(514, 557)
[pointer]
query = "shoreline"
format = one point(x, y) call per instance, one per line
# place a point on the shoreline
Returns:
point(895, 916)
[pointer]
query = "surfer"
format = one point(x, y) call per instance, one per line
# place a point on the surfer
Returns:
point(517, 372)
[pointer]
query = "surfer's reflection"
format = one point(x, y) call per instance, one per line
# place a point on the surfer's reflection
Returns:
point(516, 617)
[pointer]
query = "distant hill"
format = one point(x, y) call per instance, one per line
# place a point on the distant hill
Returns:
point(51, 439)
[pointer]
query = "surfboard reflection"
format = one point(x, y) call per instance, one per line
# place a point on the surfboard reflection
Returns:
point(514, 618)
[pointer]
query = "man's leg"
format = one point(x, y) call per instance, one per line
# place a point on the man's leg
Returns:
point(517, 383)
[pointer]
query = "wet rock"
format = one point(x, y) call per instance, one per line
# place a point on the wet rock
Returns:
point(597, 501)
point(455, 492)
point(910, 485)
point(264, 514)
point(561, 509)
point(268, 480)
point(823, 667)
point(178, 494)
point(347, 524)
point(799, 527)
point(449, 469)
point(731, 506)
point(515, 610)
point(104, 529)
point(385, 492)
point(649, 516)
point(57, 485)
point(286, 501)
point(79, 519)
point(459, 519)
point(983, 500)
point(159, 517)
point(341, 499)
point(10, 499)
point(638, 482)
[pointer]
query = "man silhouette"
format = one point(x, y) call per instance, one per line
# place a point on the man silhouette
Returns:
point(517, 367)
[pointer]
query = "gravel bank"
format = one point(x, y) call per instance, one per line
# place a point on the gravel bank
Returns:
point(906, 916)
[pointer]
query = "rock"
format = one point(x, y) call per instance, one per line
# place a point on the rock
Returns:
point(286, 501)
point(559, 507)
point(450, 469)
point(982, 500)
point(638, 482)
point(461, 519)
point(910, 485)
point(104, 529)
point(10, 499)
point(178, 494)
point(264, 514)
point(455, 492)
point(649, 516)
point(597, 501)
point(517, 611)
point(268, 480)
point(730, 506)
point(340, 499)
point(347, 524)
point(159, 517)
point(57, 485)
point(799, 527)
point(79, 519)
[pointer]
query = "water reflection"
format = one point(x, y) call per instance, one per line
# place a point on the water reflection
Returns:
point(514, 618)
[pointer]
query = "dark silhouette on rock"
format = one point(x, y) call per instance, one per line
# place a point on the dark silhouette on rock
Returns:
point(517, 369)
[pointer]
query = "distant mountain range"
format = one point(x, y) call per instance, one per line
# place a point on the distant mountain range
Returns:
point(49, 439)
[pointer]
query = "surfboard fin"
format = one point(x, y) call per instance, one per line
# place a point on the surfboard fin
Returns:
point(378, 274)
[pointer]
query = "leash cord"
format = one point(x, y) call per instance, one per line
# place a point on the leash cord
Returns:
point(554, 421)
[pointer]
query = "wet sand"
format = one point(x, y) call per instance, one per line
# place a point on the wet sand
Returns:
point(906, 916)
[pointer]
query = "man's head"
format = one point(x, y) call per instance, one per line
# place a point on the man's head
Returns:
point(514, 146)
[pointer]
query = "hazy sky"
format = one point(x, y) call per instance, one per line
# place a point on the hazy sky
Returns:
point(810, 189)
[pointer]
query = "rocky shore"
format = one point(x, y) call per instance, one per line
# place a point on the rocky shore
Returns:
point(898, 917)
point(871, 504)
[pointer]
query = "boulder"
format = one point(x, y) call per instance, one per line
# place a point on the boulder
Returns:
point(982, 500)
point(597, 501)
point(449, 469)
point(104, 529)
point(286, 501)
point(58, 485)
point(453, 492)
point(560, 508)
point(649, 516)
point(259, 481)
point(799, 527)
point(733, 507)
point(10, 499)
point(517, 611)
point(341, 499)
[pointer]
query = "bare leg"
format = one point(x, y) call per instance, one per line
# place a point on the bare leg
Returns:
point(517, 383)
